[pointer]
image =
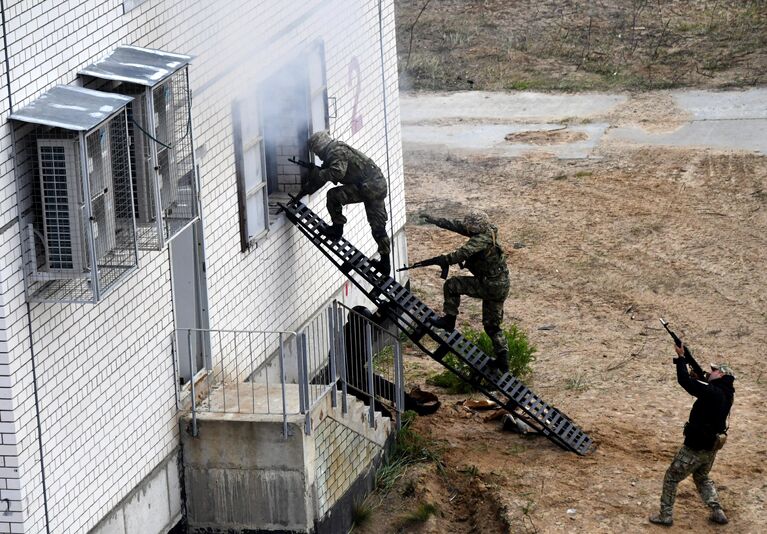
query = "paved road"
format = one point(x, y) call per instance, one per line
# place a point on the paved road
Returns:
point(479, 121)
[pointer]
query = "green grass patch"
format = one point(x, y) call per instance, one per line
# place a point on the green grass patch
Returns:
point(421, 514)
point(521, 358)
point(410, 448)
point(361, 513)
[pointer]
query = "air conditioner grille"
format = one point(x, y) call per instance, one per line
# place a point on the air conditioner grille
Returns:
point(53, 172)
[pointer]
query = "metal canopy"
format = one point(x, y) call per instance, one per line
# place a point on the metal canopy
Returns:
point(71, 108)
point(143, 66)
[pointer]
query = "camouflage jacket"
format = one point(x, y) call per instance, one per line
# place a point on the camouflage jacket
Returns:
point(346, 165)
point(481, 254)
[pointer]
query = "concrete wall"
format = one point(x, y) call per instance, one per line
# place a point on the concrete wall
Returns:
point(242, 474)
point(87, 392)
point(153, 506)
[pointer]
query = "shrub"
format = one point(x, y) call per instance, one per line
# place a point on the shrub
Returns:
point(521, 357)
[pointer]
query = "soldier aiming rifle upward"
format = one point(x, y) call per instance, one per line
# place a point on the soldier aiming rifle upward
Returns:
point(361, 181)
point(704, 433)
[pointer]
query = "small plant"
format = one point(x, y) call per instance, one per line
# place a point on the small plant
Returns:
point(471, 470)
point(410, 448)
point(421, 514)
point(361, 513)
point(529, 507)
point(521, 356)
point(577, 383)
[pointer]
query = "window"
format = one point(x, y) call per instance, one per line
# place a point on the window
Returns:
point(271, 126)
point(249, 162)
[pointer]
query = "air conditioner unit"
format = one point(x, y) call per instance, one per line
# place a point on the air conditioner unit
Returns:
point(62, 206)
point(143, 187)
point(101, 191)
point(66, 247)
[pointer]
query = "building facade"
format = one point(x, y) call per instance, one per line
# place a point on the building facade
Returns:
point(89, 392)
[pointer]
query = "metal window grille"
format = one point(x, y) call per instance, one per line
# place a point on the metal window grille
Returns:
point(76, 244)
point(164, 181)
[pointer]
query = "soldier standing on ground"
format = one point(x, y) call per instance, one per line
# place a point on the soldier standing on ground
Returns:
point(703, 437)
point(484, 257)
point(361, 181)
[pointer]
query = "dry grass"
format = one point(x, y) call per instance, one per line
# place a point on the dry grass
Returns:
point(580, 45)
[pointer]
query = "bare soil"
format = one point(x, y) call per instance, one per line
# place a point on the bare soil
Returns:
point(598, 250)
point(580, 44)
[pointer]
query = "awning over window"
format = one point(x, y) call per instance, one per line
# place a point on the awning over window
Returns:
point(143, 66)
point(72, 108)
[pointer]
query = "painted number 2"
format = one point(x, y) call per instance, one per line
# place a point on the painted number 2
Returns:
point(355, 83)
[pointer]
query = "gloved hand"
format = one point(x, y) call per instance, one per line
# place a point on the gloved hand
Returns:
point(428, 219)
point(679, 359)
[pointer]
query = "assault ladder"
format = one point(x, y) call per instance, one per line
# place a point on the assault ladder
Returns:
point(414, 319)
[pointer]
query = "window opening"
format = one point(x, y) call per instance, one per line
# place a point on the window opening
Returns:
point(271, 126)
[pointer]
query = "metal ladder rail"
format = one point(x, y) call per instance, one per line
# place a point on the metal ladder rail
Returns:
point(508, 404)
point(544, 415)
point(549, 420)
point(552, 423)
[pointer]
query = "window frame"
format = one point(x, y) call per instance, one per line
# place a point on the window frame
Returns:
point(241, 148)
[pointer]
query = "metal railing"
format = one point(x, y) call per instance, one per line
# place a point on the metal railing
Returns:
point(369, 360)
point(289, 373)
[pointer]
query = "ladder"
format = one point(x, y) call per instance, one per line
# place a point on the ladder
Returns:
point(414, 319)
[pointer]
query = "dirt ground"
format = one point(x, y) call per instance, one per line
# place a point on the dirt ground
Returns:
point(577, 45)
point(598, 250)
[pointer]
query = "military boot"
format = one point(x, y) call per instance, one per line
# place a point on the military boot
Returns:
point(382, 265)
point(446, 322)
point(335, 231)
point(501, 361)
point(717, 516)
point(663, 520)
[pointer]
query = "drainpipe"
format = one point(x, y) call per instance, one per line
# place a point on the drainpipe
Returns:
point(386, 128)
point(29, 310)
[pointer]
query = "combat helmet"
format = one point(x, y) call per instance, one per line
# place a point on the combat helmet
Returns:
point(476, 221)
point(319, 141)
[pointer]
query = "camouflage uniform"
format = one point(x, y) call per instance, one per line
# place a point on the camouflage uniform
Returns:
point(707, 420)
point(689, 462)
point(362, 181)
point(486, 260)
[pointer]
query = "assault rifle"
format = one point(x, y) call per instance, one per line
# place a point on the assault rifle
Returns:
point(304, 164)
point(687, 354)
point(306, 188)
point(425, 263)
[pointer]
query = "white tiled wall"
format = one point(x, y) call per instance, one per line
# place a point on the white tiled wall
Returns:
point(103, 397)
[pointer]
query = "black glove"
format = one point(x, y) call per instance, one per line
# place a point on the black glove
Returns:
point(679, 359)
point(428, 219)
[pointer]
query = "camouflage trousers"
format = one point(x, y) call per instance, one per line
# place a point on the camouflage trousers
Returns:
point(372, 192)
point(689, 462)
point(493, 295)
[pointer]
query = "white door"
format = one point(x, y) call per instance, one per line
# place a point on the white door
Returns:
point(190, 301)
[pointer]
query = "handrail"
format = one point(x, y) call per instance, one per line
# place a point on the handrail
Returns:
point(330, 353)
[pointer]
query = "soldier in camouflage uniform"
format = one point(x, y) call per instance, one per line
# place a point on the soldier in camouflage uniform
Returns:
point(483, 256)
point(702, 437)
point(361, 181)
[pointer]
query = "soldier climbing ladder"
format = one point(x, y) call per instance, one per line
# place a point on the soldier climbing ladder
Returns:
point(414, 319)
